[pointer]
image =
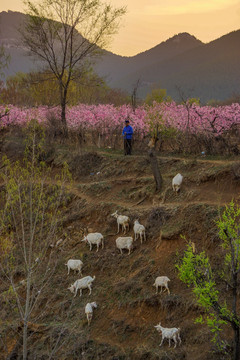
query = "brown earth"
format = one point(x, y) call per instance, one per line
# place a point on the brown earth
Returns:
point(128, 308)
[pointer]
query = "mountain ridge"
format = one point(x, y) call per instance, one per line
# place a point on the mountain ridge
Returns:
point(204, 70)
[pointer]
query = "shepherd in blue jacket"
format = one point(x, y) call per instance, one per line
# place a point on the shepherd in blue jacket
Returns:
point(127, 136)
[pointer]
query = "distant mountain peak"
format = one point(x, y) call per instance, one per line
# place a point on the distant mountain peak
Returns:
point(177, 43)
point(184, 36)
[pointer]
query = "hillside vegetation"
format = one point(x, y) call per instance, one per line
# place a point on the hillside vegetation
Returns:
point(128, 308)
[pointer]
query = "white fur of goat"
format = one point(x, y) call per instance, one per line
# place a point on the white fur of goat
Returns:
point(162, 281)
point(170, 334)
point(84, 283)
point(74, 265)
point(89, 311)
point(177, 182)
point(94, 239)
point(124, 243)
point(122, 220)
point(139, 230)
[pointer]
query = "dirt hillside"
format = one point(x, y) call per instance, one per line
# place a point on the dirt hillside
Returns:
point(128, 308)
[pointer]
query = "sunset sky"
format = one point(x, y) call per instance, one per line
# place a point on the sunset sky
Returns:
point(149, 22)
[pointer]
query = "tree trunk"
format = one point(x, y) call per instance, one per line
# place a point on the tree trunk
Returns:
point(155, 169)
point(236, 351)
point(25, 328)
point(26, 317)
point(63, 97)
point(63, 118)
point(235, 325)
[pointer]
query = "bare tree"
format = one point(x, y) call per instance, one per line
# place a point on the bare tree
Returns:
point(67, 35)
point(154, 161)
point(29, 222)
point(134, 94)
point(156, 123)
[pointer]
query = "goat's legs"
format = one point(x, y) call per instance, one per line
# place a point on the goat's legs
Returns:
point(90, 288)
point(161, 341)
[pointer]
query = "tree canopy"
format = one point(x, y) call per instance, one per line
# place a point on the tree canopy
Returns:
point(66, 35)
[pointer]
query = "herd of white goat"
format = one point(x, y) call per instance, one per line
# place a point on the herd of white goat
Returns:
point(123, 242)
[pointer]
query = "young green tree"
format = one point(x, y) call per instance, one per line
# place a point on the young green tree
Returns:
point(31, 207)
point(158, 96)
point(41, 88)
point(66, 35)
point(195, 270)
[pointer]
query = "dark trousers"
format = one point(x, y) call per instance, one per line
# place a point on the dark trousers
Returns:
point(127, 146)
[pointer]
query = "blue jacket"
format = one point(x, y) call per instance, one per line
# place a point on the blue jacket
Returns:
point(127, 132)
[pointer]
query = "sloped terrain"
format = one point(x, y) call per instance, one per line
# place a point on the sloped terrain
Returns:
point(128, 308)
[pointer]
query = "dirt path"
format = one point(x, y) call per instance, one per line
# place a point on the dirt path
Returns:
point(148, 203)
point(179, 158)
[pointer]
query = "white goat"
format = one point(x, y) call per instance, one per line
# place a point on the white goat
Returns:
point(89, 311)
point(139, 230)
point(74, 265)
point(124, 243)
point(84, 283)
point(94, 238)
point(177, 182)
point(163, 282)
point(121, 220)
point(170, 334)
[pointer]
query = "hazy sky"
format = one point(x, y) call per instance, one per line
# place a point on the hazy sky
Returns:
point(149, 22)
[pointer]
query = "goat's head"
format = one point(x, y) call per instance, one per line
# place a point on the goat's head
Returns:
point(84, 239)
point(158, 327)
point(177, 188)
point(85, 231)
point(115, 214)
point(131, 246)
point(72, 288)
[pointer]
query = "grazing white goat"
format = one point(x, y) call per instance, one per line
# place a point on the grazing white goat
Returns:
point(170, 334)
point(74, 265)
point(84, 283)
point(122, 220)
point(124, 243)
point(163, 282)
point(94, 238)
point(177, 182)
point(89, 311)
point(139, 230)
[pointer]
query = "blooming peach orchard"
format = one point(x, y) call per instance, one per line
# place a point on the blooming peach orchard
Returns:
point(107, 119)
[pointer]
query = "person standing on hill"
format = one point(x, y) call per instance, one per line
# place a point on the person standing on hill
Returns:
point(127, 136)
